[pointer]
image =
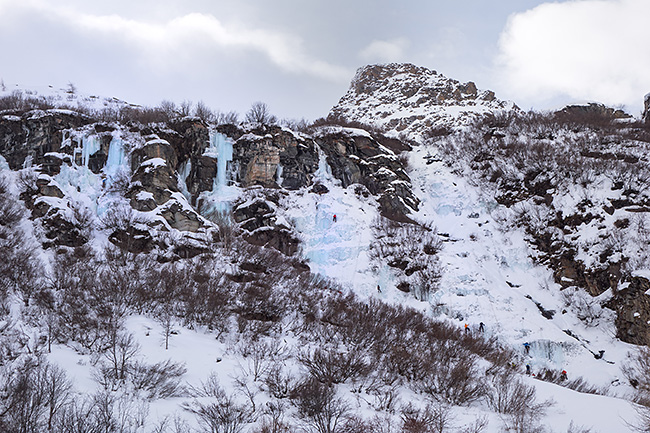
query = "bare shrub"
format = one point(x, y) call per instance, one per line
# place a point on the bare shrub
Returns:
point(508, 394)
point(518, 402)
point(227, 118)
point(258, 356)
point(452, 375)
point(478, 426)
point(119, 356)
point(332, 366)
point(274, 419)
point(185, 108)
point(160, 380)
point(169, 108)
point(279, 382)
point(578, 384)
point(259, 301)
point(437, 418)
point(637, 371)
point(209, 302)
point(299, 125)
point(141, 115)
point(20, 266)
point(572, 428)
point(18, 102)
point(320, 409)
point(220, 413)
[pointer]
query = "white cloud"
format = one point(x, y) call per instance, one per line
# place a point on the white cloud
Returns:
point(584, 49)
point(188, 34)
point(385, 51)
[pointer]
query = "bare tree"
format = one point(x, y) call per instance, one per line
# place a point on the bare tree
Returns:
point(227, 118)
point(169, 108)
point(259, 113)
point(34, 392)
point(203, 112)
point(185, 108)
point(120, 354)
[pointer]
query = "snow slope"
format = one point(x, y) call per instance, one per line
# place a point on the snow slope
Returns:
point(488, 277)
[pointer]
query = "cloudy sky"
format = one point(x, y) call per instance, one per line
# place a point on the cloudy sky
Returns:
point(298, 56)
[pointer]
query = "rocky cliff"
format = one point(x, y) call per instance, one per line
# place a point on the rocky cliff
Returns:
point(162, 172)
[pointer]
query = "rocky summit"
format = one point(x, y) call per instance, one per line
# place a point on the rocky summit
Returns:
point(413, 100)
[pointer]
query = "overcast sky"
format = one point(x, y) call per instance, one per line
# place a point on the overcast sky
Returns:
point(298, 56)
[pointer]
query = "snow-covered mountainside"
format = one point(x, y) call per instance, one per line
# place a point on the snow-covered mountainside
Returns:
point(164, 273)
point(413, 100)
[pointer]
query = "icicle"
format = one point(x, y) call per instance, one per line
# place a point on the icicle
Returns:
point(183, 173)
point(89, 146)
point(221, 148)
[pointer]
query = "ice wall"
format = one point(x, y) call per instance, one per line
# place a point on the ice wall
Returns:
point(222, 146)
point(223, 192)
point(116, 158)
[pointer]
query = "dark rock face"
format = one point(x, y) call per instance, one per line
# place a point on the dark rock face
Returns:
point(273, 157)
point(189, 137)
point(155, 147)
point(356, 157)
point(133, 240)
point(59, 231)
point(646, 109)
point(252, 216)
point(280, 239)
point(632, 306)
point(259, 220)
point(155, 182)
point(34, 134)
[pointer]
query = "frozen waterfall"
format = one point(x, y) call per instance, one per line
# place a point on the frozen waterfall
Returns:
point(223, 192)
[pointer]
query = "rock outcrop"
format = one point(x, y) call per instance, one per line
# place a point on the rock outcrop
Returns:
point(35, 134)
point(595, 110)
point(356, 157)
point(414, 100)
point(646, 109)
point(632, 306)
point(258, 218)
point(273, 157)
